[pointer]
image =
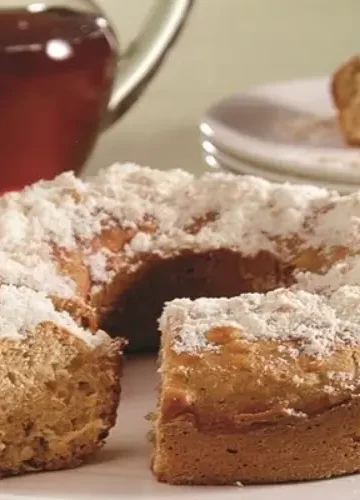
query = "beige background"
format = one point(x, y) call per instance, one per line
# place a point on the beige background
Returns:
point(228, 45)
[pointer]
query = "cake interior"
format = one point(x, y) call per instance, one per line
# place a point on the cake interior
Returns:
point(218, 273)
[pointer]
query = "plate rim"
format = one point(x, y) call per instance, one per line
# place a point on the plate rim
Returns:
point(283, 158)
point(220, 159)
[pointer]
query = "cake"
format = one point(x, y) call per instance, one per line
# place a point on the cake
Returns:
point(345, 89)
point(59, 383)
point(131, 238)
point(107, 253)
point(261, 388)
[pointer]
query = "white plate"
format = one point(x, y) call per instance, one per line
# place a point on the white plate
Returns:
point(121, 470)
point(217, 158)
point(289, 127)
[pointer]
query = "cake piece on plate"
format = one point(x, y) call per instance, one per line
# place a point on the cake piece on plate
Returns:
point(259, 388)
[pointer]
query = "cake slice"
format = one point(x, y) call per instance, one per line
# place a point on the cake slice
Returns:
point(60, 383)
point(345, 89)
point(258, 389)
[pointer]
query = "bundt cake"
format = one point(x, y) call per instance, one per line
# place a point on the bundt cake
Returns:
point(345, 90)
point(132, 238)
point(244, 379)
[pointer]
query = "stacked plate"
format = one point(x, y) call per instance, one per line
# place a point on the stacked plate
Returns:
point(284, 132)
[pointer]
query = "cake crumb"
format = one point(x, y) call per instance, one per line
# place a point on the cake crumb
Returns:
point(295, 413)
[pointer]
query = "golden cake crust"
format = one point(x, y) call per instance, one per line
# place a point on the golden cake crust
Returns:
point(317, 447)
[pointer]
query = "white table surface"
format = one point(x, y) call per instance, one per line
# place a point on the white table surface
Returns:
point(227, 46)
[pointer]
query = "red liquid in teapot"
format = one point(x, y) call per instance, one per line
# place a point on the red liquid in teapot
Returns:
point(56, 74)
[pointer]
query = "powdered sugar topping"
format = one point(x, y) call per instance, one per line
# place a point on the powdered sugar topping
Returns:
point(342, 272)
point(242, 213)
point(315, 324)
point(23, 309)
point(64, 212)
point(99, 267)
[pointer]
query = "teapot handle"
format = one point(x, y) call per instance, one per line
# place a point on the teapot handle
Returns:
point(145, 54)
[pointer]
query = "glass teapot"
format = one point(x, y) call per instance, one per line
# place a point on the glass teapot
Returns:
point(63, 80)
